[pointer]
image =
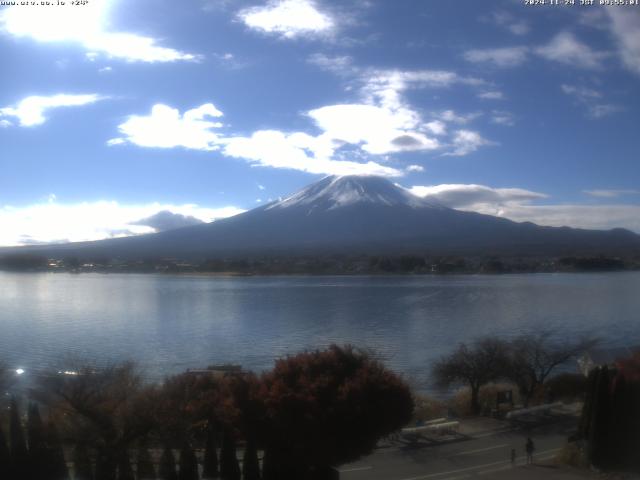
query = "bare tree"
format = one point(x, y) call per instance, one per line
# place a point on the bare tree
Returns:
point(533, 357)
point(474, 365)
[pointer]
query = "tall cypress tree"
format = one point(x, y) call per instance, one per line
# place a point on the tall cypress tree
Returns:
point(210, 462)
point(269, 470)
point(36, 436)
point(106, 464)
point(55, 452)
point(188, 464)
point(168, 465)
point(250, 462)
point(144, 464)
point(82, 463)
point(19, 454)
point(5, 456)
point(229, 468)
point(125, 472)
point(598, 440)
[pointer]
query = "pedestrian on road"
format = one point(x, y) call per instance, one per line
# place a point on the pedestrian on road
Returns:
point(513, 457)
point(530, 448)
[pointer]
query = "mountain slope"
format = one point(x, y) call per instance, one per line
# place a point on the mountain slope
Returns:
point(356, 215)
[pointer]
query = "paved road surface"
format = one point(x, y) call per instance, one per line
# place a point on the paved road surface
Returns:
point(485, 455)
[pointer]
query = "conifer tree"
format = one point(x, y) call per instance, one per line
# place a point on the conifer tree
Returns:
point(56, 462)
point(38, 452)
point(144, 464)
point(250, 462)
point(188, 464)
point(229, 468)
point(168, 465)
point(5, 455)
point(19, 454)
point(81, 463)
point(210, 463)
point(125, 472)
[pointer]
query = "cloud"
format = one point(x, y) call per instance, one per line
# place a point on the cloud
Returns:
point(517, 204)
point(611, 193)
point(465, 142)
point(87, 26)
point(567, 49)
point(461, 119)
point(591, 99)
point(491, 95)
point(378, 130)
point(31, 110)
point(501, 117)
point(499, 57)
point(415, 168)
point(625, 26)
point(167, 220)
point(299, 151)
point(288, 19)
point(475, 197)
point(509, 22)
point(338, 64)
point(165, 127)
point(52, 221)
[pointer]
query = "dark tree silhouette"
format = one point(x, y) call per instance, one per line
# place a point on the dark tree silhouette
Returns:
point(168, 465)
point(483, 362)
point(38, 451)
point(534, 357)
point(125, 472)
point(19, 454)
point(229, 467)
point(188, 464)
point(5, 456)
point(82, 463)
point(250, 462)
point(56, 461)
point(329, 407)
point(144, 464)
point(210, 462)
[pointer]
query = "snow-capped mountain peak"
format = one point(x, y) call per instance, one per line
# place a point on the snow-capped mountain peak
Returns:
point(340, 191)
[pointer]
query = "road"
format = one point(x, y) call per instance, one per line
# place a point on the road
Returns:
point(481, 455)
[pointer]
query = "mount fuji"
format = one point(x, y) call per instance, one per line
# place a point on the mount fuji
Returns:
point(355, 215)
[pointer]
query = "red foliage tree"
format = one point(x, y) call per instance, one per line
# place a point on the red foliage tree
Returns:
point(325, 408)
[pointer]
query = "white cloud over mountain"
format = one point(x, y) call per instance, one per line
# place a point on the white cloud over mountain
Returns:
point(86, 25)
point(31, 111)
point(59, 222)
point(288, 19)
point(517, 204)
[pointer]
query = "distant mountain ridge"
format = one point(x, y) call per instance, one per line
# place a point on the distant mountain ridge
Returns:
point(354, 215)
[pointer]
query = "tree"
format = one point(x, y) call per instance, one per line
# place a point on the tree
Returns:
point(210, 462)
point(38, 451)
point(144, 465)
point(250, 462)
point(19, 453)
point(229, 468)
point(109, 407)
point(5, 456)
point(125, 472)
point(56, 461)
point(474, 366)
point(533, 357)
point(168, 465)
point(329, 407)
point(188, 464)
point(81, 463)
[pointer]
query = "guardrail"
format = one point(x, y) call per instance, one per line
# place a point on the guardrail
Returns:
point(538, 409)
point(434, 426)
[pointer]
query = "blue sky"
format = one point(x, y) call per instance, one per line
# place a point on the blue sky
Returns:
point(114, 111)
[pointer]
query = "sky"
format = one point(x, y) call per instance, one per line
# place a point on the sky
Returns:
point(122, 117)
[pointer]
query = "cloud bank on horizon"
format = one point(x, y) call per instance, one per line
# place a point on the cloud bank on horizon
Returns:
point(161, 107)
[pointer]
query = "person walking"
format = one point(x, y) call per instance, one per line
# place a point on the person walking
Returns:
point(530, 447)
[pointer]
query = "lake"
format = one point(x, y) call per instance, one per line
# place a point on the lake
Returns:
point(171, 323)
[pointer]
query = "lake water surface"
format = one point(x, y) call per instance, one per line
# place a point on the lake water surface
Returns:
point(171, 323)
